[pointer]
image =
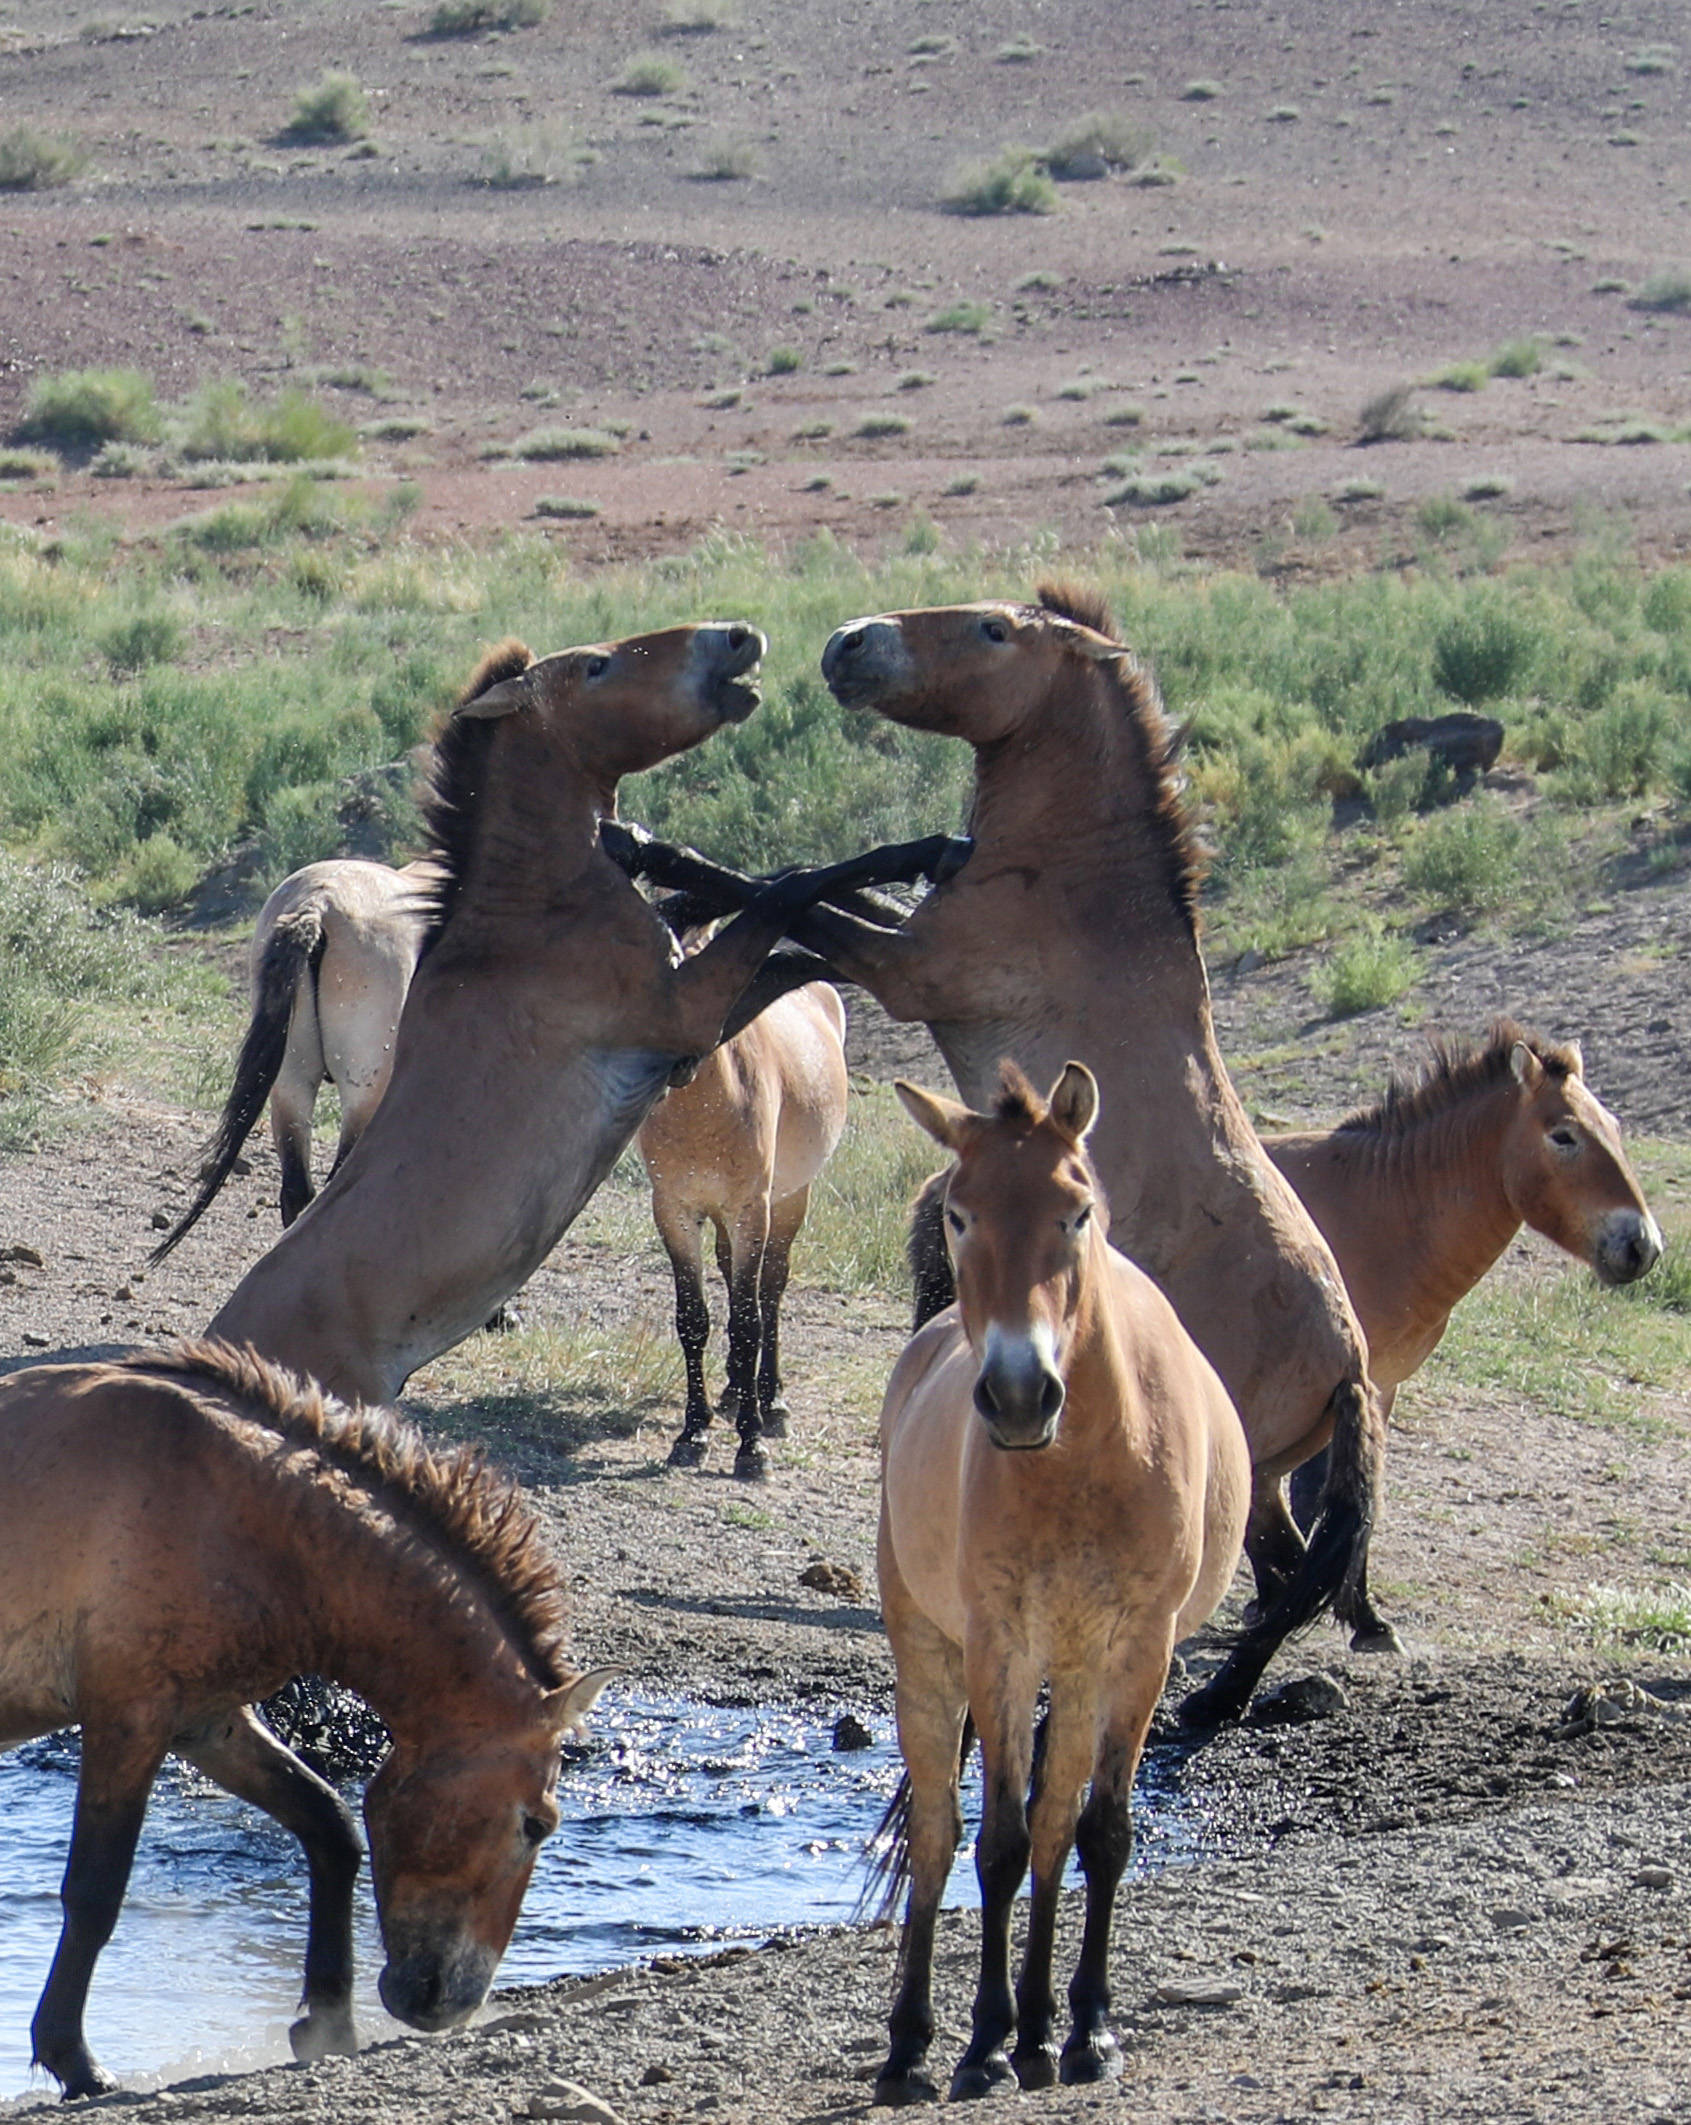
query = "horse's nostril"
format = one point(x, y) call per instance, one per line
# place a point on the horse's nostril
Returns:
point(985, 1400)
point(1050, 1396)
point(851, 643)
point(738, 637)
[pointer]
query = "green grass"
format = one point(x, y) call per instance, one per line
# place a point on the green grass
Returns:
point(1668, 290)
point(549, 444)
point(332, 108)
point(1656, 1619)
point(469, 18)
point(1013, 182)
point(223, 423)
point(1367, 972)
point(77, 406)
point(649, 73)
point(966, 317)
point(32, 160)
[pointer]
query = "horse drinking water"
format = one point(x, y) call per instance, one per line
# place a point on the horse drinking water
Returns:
point(183, 1530)
point(1064, 1492)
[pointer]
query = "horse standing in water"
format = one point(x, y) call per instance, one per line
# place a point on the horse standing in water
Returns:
point(1419, 1195)
point(183, 1530)
point(332, 956)
point(740, 1146)
point(549, 1009)
point(1064, 1491)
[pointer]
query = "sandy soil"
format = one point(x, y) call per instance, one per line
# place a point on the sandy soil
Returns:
point(1435, 1905)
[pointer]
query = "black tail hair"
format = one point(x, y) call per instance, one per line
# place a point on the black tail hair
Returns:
point(887, 1854)
point(1333, 1564)
point(933, 1285)
point(294, 950)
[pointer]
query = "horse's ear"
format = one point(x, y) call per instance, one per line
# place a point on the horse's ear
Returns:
point(1525, 1066)
point(1576, 1059)
point(1073, 1103)
point(944, 1119)
point(567, 1708)
point(501, 700)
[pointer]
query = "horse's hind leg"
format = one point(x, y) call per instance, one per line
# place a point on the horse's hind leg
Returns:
point(785, 1219)
point(293, 1101)
point(1272, 1542)
point(680, 1232)
point(247, 1760)
point(118, 1768)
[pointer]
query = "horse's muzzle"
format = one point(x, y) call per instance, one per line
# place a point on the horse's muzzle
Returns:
point(1628, 1247)
point(435, 1991)
point(1019, 1397)
point(863, 659)
point(732, 652)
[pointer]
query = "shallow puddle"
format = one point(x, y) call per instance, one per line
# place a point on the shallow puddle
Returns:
point(685, 1826)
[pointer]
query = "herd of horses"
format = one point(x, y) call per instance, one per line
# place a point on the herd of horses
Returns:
point(1076, 1445)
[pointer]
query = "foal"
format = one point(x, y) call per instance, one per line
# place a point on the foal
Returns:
point(741, 1145)
point(1065, 1486)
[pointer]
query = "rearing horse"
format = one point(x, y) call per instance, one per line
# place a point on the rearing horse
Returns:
point(1064, 1491)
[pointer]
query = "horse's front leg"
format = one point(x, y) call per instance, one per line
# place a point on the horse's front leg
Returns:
point(680, 1232)
point(246, 1759)
point(1001, 1696)
point(745, 1335)
point(118, 1769)
point(1062, 1763)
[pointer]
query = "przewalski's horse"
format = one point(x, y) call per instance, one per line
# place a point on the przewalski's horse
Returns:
point(182, 1531)
point(332, 956)
point(549, 1009)
point(1419, 1195)
point(740, 1146)
point(1072, 931)
point(1064, 1489)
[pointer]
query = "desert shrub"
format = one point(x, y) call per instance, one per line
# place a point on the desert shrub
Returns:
point(932, 45)
point(531, 155)
point(649, 73)
point(1479, 653)
point(1020, 50)
point(1463, 376)
point(334, 107)
point(547, 444)
point(1441, 516)
point(568, 507)
point(960, 317)
point(222, 422)
point(1517, 357)
point(24, 464)
point(1487, 487)
point(1622, 750)
point(1312, 519)
point(1367, 972)
point(397, 428)
point(35, 161)
point(1015, 182)
point(1020, 416)
point(1360, 489)
point(119, 461)
point(875, 425)
point(1200, 92)
point(90, 406)
point(1670, 289)
point(1097, 142)
point(155, 876)
point(1391, 416)
point(1153, 490)
point(783, 361)
point(466, 18)
point(143, 638)
point(697, 18)
point(1471, 857)
point(724, 159)
point(1283, 114)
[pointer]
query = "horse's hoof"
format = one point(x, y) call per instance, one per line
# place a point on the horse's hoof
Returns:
point(1035, 2065)
point(1090, 2058)
point(1376, 1637)
point(86, 2077)
point(1217, 1704)
point(327, 2033)
point(893, 2090)
point(751, 1463)
point(688, 1451)
point(982, 2077)
point(773, 1418)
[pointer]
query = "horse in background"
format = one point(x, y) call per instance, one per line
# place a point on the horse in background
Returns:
point(1065, 1487)
point(740, 1147)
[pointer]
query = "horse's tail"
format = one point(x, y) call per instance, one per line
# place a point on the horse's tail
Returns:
point(887, 1854)
point(1333, 1566)
point(294, 950)
point(934, 1287)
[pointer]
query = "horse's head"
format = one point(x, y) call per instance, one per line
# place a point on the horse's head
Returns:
point(1023, 1213)
point(966, 671)
point(1564, 1170)
point(614, 708)
point(454, 1829)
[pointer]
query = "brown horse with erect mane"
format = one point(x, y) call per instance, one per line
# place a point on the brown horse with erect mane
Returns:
point(332, 955)
point(183, 1530)
point(549, 1009)
point(1064, 1490)
point(740, 1147)
point(1072, 931)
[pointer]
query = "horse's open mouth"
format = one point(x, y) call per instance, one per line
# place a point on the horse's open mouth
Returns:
point(736, 698)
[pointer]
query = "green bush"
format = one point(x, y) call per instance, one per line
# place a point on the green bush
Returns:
point(1480, 653)
point(1670, 289)
point(531, 155)
point(1463, 376)
point(549, 444)
point(1367, 972)
point(466, 18)
point(334, 107)
point(222, 422)
point(1518, 357)
point(783, 361)
point(963, 317)
point(1471, 857)
point(650, 73)
point(91, 406)
point(1391, 416)
point(567, 507)
point(35, 161)
point(726, 159)
point(1622, 750)
point(1015, 182)
point(144, 638)
point(1098, 142)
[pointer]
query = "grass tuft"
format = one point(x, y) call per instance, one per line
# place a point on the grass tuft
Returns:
point(35, 161)
point(1014, 182)
point(334, 107)
point(649, 73)
point(78, 406)
point(547, 444)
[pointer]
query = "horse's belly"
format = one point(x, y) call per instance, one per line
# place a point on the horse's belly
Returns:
point(36, 1684)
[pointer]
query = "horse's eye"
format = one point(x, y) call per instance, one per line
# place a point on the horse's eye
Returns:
point(954, 1220)
point(1082, 1218)
point(1564, 1139)
point(597, 667)
point(995, 630)
point(536, 1829)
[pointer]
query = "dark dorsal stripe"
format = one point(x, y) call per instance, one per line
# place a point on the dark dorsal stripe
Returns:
point(450, 1498)
point(1455, 1071)
point(455, 782)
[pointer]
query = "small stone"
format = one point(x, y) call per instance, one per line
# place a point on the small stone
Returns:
point(123, 1291)
point(1297, 1702)
point(1508, 1918)
point(656, 2075)
point(33, 1341)
point(1198, 1992)
point(568, 2099)
point(30, 1257)
point(1653, 1878)
point(851, 1733)
point(161, 1220)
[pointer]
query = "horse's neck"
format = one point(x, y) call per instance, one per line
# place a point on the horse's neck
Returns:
point(1440, 1184)
point(1101, 1403)
point(385, 1617)
point(535, 845)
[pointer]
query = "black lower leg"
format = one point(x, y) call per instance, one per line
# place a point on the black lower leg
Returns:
point(1104, 1839)
point(1001, 1863)
point(102, 1851)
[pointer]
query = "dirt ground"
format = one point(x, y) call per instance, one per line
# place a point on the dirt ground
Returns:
point(1434, 1903)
